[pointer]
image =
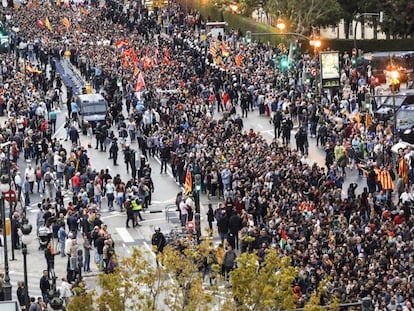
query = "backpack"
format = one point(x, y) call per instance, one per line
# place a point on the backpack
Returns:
point(48, 177)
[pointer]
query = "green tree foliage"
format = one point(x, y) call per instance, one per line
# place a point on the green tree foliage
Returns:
point(398, 18)
point(178, 285)
point(303, 15)
point(263, 287)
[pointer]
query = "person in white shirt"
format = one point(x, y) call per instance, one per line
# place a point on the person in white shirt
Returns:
point(18, 183)
point(406, 197)
point(30, 173)
point(66, 291)
point(183, 213)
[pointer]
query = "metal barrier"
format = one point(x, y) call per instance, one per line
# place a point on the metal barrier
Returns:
point(171, 212)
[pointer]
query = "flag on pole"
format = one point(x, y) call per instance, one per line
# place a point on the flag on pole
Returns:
point(136, 71)
point(213, 51)
point(224, 50)
point(30, 69)
point(47, 24)
point(125, 62)
point(66, 23)
point(121, 44)
point(127, 52)
point(188, 183)
point(134, 59)
point(283, 238)
point(140, 83)
point(239, 60)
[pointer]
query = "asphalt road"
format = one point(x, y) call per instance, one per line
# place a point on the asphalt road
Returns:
point(165, 192)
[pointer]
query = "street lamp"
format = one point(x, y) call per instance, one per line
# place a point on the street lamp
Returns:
point(5, 172)
point(234, 8)
point(23, 51)
point(280, 24)
point(7, 287)
point(393, 83)
point(26, 240)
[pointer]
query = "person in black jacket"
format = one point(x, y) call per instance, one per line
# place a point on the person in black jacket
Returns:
point(113, 151)
point(235, 225)
point(45, 286)
point(165, 155)
point(210, 218)
point(50, 258)
point(223, 226)
point(21, 295)
point(15, 225)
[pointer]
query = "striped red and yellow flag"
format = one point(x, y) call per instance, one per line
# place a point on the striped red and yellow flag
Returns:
point(224, 50)
point(239, 60)
point(66, 22)
point(188, 183)
point(213, 51)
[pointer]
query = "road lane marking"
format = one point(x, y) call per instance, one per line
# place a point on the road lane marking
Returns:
point(124, 234)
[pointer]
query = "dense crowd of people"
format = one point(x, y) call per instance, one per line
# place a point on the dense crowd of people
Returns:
point(272, 193)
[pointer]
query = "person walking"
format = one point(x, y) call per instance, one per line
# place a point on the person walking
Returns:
point(129, 211)
point(87, 253)
point(45, 286)
point(21, 295)
point(110, 194)
point(210, 218)
point(113, 151)
point(50, 258)
point(229, 261)
point(158, 242)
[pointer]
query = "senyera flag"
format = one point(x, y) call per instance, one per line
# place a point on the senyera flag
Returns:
point(188, 183)
point(121, 44)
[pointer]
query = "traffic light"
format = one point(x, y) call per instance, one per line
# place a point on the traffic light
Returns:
point(366, 304)
point(248, 36)
point(80, 258)
point(284, 62)
point(197, 182)
point(353, 60)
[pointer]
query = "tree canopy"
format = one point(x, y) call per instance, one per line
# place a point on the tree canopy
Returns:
point(179, 283)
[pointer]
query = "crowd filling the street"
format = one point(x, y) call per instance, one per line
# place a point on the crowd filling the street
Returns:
point(175, 93)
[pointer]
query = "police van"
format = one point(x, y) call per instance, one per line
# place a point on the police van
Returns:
point(92, 110)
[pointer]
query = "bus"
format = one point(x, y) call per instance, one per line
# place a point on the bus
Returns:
point(383, 62)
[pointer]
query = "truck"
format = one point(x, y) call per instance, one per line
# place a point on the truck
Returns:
point(92, 110)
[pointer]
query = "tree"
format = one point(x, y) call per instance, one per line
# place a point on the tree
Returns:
point(398, 18)
point(303, 15)
point(177, 285)
point(257, 287)
point(138, 283)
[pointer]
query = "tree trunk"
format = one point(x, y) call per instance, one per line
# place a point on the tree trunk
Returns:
point(362, 28)
point(375, 26)
point(346, 28)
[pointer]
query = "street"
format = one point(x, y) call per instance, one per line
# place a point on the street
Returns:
point(164, 194)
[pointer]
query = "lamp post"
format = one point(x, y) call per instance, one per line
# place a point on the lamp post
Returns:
point(5, 171)
point(23, 50)
point(26, 240)
point(197, 188)
point(394, 82)
point(7, 287)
